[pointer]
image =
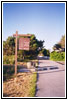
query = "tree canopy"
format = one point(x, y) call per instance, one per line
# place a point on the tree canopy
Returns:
point(60, 44)
point(9, 46)
point(35, 47)
point(56, 46)
point(62, 41)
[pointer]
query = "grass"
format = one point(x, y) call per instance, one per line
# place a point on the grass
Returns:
point(32, 89)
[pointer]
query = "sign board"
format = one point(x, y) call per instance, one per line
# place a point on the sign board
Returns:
point(24, 43)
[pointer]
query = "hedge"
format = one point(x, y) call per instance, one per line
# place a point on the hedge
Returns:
point(57, 56)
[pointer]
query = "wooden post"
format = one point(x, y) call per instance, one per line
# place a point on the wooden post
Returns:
point(16, 35)
point(16, 53)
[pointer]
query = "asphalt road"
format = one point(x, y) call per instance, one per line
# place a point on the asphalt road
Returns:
point(51, 80)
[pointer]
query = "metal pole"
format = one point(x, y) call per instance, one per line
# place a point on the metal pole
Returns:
point(16, 53)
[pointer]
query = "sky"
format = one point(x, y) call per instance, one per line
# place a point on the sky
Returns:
point(45, 20)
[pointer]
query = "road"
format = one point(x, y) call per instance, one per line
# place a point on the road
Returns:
point(51, 80)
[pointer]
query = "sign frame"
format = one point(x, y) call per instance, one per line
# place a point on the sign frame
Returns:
point(16, 35)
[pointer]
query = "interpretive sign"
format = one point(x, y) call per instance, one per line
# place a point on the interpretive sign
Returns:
point(24, 43)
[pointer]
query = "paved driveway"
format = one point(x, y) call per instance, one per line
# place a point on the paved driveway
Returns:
point(51, 80)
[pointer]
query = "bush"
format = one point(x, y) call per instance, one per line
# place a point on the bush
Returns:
point(8, 59)
point(8, 71)
point(57, 56)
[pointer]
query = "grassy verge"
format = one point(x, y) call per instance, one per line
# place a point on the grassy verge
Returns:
point(27, 81)
point(23, 85)
point(32, 88)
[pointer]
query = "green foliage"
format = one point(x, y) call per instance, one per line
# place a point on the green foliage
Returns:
point(9, 49)
point(9, 46)
point(60, 44)
point(8, 59)
point(32, 89)
point(57, 56)
point(35, 46)
point(48, 53)
point(57, 47)
point(44, 52)
point(62, 41)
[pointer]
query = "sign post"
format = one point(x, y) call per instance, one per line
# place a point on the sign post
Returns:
point(23, 45)
point(16, 54)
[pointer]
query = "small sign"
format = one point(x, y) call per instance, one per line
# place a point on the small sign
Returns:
point(24, 43)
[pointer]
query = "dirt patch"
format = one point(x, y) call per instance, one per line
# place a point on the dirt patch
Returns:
point(18, 86)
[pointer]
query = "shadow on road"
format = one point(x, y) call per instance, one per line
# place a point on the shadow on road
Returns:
point(46, 68)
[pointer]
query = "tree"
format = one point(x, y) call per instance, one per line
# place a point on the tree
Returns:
point(9, 46)
point(48, 53)
point(44, 52)
point(60, 44)
point(35, 47)
point(56, 47)
point(62, 41)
